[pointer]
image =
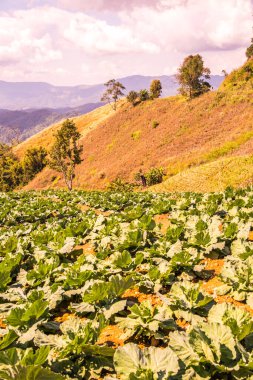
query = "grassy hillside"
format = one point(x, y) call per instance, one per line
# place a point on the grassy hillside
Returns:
point(191, 137)
point(214, 176)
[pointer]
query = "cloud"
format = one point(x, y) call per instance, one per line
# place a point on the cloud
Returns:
point(21, 41)
point(109, 5)
point(65, 42)
point(98, 37)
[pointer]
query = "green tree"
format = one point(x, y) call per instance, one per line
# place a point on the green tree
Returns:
point(249, 51)
point(11, 172)
point(155, 89)
point(143, 95)
point(66, 153)
point(114, 90)
point(192, 76)
point(34, 162)
point(132, 97)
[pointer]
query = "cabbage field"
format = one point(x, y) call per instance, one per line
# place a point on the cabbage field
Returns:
point(130, 286)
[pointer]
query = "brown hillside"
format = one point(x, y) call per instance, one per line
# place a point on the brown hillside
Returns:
point(120, 143)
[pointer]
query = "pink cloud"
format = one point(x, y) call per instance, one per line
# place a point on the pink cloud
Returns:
point(112, 5)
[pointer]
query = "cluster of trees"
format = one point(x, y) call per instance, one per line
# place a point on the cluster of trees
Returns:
point(192, 77)
point(63, 157)
point(154, 92)
point(15, 172)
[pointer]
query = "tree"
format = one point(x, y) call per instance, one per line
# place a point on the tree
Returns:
point(192, 76)
point(114, 90)
point(10, 169)
point(65, 153)
point(224, 72)
point(132, 97)
point(34, 162)
point(143, 95)
point(249, 51)
point(155, 89)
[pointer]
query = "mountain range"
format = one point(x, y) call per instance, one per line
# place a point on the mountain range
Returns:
point(26, 95)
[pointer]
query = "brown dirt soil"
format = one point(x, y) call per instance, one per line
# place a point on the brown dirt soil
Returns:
point(87, 248)
point(214, 265)
point(182, 323)
point(112, 334)
point(2, 324)
point(211, 285)
point(118, 144)
point(64, 317)
point(164, 221)
point(227, 299)
point(141, 297)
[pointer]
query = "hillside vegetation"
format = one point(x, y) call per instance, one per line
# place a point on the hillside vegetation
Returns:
point(210, 134)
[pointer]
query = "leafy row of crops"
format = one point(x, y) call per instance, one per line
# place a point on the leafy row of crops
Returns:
point(126, 286)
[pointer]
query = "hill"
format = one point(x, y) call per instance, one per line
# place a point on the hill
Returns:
point(23, 95)
point(19, 125)
point(192, 142)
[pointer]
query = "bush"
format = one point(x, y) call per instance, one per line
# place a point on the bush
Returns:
point(155, 124)
point(153, 176)
point(120, 186)
point(132, 97)
point(143, 95)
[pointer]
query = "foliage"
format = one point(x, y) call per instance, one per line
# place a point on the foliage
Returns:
point(117, 285)
point(118, 185)
point(155, 89)
point(192, 76)
point(153, 176)
point(13, 172)
point(249, 51)
point(114, 91)
point(34, 162)
point(144, 95)
point(155, 124)
point(66, 153)
point(132, 97)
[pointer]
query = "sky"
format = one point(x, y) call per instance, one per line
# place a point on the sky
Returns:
point(71, 42)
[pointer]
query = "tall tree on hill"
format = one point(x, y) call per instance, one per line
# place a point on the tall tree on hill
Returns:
point(155, 89)
point(192, 76)
point(249, 51)
point(114, 90)
point(65, 154)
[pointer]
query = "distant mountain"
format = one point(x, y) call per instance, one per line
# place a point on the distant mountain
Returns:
point(19, 125)
point(26, 95)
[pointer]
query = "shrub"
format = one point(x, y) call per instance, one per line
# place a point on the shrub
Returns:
point(155, 176)
point(136, 135)
point(143, 95)
point(132, 97)
point(119, 185)
point(155, 124)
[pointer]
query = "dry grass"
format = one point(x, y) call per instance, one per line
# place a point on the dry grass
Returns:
point(189, 135)
point(215, 176)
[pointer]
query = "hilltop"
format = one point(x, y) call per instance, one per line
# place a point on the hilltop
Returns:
point(23, 95)
point(199, 135)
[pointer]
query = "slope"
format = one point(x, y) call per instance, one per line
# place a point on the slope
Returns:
point(189, 134)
